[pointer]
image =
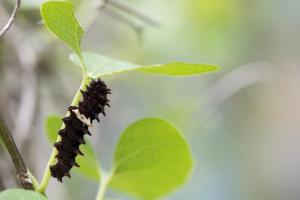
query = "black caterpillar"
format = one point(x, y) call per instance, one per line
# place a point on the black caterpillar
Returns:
point(76, 126)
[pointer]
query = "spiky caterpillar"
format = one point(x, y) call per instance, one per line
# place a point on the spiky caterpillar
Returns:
point(76, 126)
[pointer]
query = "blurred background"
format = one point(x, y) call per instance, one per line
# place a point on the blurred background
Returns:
point(243, 123)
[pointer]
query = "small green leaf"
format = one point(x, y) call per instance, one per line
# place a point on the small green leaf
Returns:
point(89, 166)
point(53, 124)
point(59, 18)
point(19, 194)
point(179, 69)
point(151, 159)
point(100, 65)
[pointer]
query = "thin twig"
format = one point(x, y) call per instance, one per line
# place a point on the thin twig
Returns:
point(125, 7)
point(11, 18)
point(231, 83)
point(15, 155)
point(136, 27)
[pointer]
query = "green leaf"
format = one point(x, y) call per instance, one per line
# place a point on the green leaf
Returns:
point(100, 65)
point(59, 18)
point(178, 69)
point(151, 159)
point(19, 194)
point(53, 124)
point(89, 166)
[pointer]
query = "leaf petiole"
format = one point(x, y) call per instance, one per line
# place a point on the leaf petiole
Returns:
point(105, 179)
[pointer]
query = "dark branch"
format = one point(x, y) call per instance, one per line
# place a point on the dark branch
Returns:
point(125, 7)
point(11, 18)
point(136, 27)
point(15, 155)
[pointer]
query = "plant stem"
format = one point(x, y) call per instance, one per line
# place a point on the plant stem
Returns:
point(11, 19)
point(105, 178)
point(35, 183)
point(52, 159)
point(15, 155)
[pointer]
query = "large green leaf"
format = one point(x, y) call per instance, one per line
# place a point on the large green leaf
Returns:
point(100, 65)
point(19, 194)
point(59, 18)
point(89, 166)
point(151, 159)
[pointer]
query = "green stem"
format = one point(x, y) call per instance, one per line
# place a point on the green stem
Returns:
point(52, 159)
point(105, 178)
point(35, 183)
